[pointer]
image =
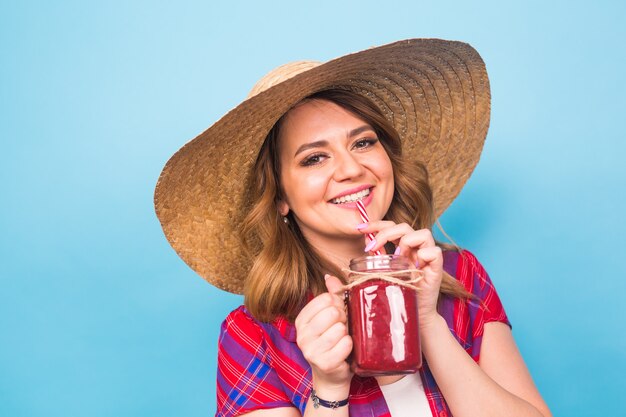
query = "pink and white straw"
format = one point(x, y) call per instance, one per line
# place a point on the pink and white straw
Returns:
point(365, 218)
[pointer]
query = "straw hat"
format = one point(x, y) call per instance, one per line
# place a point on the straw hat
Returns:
point(435, 92)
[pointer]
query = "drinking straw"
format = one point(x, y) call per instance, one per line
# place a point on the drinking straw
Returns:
point(365, 218)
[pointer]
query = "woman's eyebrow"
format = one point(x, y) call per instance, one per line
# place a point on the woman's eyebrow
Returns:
point(360, 130)
point(316, 144)
point(321, 143)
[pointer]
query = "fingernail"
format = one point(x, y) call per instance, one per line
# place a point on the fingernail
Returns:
point(417, 264)
point(361, 226)
point(397, 251)
point(370, 245)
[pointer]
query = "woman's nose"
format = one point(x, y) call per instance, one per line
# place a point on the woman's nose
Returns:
point(348, 167)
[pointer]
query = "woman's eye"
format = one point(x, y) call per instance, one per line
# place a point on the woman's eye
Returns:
point(365, 143)
point(312, 160)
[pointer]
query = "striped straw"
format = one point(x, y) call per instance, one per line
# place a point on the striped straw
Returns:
point(365, 218)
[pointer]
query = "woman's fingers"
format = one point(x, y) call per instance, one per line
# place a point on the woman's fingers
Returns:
point(327, 340)
point(335, 358)
point(417, 239)
point(334, 285)
point(417, 245)
point(372, 243)
point(322, 322)
point(322, 301)
point(312, 330)
point(430, 261)
point(322, 334)
point(402, 235)
point(430, 256)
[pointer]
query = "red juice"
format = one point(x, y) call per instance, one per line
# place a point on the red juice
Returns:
point(383, 320)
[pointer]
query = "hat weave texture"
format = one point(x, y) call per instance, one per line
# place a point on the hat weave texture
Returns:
point(435, 92)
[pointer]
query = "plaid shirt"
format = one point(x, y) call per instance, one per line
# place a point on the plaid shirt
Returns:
point(260, 365)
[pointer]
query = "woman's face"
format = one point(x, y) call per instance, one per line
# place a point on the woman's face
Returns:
point(330, 158)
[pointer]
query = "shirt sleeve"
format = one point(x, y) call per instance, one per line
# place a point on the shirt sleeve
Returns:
point(246, 380)
point(485, 307)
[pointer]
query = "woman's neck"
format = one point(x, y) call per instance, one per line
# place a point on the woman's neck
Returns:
point(339, 252)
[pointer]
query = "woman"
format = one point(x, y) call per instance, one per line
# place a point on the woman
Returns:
point(399, 127)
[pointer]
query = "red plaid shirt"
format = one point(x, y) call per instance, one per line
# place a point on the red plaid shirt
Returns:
point(260, 365)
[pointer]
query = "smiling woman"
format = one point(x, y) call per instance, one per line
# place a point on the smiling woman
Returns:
point(316, 183)
point(399, 129)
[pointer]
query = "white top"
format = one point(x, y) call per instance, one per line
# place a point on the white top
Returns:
point(406, 397)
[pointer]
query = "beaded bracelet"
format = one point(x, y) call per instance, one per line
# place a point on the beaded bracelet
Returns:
point(317, 401)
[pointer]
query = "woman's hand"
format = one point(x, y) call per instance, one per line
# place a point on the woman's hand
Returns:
point(419, 247)
point(324, 341)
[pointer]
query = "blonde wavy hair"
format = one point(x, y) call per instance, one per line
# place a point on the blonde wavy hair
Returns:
point(287, 271)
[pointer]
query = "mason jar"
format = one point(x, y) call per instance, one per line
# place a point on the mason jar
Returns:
point(383, 319)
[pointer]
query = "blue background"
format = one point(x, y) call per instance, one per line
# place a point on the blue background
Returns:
point(99, 317)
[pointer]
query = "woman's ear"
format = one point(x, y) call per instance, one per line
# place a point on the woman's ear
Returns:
point(283, 207)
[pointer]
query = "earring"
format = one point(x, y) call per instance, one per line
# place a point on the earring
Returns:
point(285, 220)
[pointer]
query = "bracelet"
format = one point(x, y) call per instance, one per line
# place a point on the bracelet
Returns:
point(317, 401)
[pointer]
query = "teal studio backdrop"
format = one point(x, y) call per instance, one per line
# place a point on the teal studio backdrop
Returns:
point(99, 317)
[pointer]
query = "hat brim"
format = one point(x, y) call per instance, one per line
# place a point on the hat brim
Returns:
point(435, 92)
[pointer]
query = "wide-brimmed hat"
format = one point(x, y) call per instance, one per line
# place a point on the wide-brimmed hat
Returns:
point(435, 92)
